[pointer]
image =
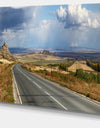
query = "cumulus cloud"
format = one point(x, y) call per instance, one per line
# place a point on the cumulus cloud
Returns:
point(95, 23)
point(76, 16)
point(61, 13)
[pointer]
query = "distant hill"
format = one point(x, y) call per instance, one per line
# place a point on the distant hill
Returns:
point(71, 52)
point(5, 53)
point(77, 49)
point(25, 51)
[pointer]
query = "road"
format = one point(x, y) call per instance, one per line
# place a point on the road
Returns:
point(37, 91)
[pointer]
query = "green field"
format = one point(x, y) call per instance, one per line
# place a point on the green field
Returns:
point(44, 62)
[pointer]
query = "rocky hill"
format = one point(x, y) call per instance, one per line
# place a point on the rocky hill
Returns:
point(5, 53)
point(46, 52)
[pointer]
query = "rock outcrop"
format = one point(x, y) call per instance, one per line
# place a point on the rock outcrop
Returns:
point(5, 53)
point(46, 52)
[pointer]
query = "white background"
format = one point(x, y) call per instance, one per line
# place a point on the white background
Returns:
point(16, 116)
point(43, 2)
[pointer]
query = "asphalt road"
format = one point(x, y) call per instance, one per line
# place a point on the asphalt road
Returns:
point(37, 91)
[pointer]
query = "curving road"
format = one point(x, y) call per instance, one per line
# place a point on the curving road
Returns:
point(37, 91)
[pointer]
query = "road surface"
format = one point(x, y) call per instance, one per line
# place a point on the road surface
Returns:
point(37, 91)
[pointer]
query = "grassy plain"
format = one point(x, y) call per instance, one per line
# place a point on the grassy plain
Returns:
point(39, 59)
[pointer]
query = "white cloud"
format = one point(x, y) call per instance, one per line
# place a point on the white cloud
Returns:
point(74, 44)
point(34, 14)
point(8, 34)
point(44, 21)
point(61, 13)
point(95, 23)
point(77, 13)
point(76, 16)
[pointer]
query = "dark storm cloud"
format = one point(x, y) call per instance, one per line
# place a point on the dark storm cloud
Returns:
point(12, 18)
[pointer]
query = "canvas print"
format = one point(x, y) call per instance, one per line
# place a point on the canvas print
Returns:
point(50, 57)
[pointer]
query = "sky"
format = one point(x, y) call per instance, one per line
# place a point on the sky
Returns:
point(53, 26)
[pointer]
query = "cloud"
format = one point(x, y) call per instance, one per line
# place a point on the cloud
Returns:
point(95, 23)
point(76, 16)
point(10, 18)
point(61, 14)
point(13, 18)
point(16, 22)
point(72, 26)
point(74, 44)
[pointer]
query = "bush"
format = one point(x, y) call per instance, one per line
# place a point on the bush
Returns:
point(98, 77)
point(53, 65)
point(46, 72)
point(88, 94)
point(1, 62)
point(94, 64)
point(79, 73)
point(63, 66)
point(88, 77)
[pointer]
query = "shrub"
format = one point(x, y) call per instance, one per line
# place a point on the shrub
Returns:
point(98, 77)
point(46, 72)
point(94, 64)
point(88, 94)
point(1, 62)
point(53, 65)
point(79, 73)
point(88, 77)
point(63, 66)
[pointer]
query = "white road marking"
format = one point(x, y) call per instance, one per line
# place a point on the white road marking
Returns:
point(46, 92)
point(36, 84)
point(56, 100)
point(30, 79)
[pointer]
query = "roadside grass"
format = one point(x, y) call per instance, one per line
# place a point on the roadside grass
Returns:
point(91, 90)
point(6, 88)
